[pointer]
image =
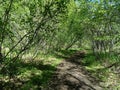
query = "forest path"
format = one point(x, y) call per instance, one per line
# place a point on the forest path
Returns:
point(71, 75)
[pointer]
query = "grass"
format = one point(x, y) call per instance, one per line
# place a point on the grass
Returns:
point(34, 74)
point(97, 68)
point(29, 74)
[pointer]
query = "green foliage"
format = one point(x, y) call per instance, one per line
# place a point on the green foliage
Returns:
point(27, 74)
point(31, 27)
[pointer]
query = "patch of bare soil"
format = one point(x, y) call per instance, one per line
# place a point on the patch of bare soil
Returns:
point(71, 75)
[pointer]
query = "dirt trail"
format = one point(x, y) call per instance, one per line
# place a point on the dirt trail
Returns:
point(72, 76)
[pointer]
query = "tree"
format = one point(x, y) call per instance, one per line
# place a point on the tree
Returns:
point(26, 24)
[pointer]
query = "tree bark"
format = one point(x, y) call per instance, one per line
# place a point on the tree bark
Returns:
point(1, 56)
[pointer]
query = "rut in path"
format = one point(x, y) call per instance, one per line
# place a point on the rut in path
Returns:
point(70, 75)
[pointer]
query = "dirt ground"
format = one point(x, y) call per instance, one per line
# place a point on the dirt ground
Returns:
point(71, 75)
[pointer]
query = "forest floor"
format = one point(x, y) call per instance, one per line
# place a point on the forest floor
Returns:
point(64, 70)
point(72, 75)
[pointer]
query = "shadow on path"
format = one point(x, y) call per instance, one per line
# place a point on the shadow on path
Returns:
point(71, 75)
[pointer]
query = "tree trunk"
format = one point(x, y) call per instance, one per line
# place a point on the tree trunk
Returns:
point(1, 56)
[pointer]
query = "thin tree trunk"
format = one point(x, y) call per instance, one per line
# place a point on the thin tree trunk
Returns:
point(1, 56)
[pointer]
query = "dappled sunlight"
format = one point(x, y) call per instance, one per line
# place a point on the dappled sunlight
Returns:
point(30, 74)
point(59, 44)
point(73, 76)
